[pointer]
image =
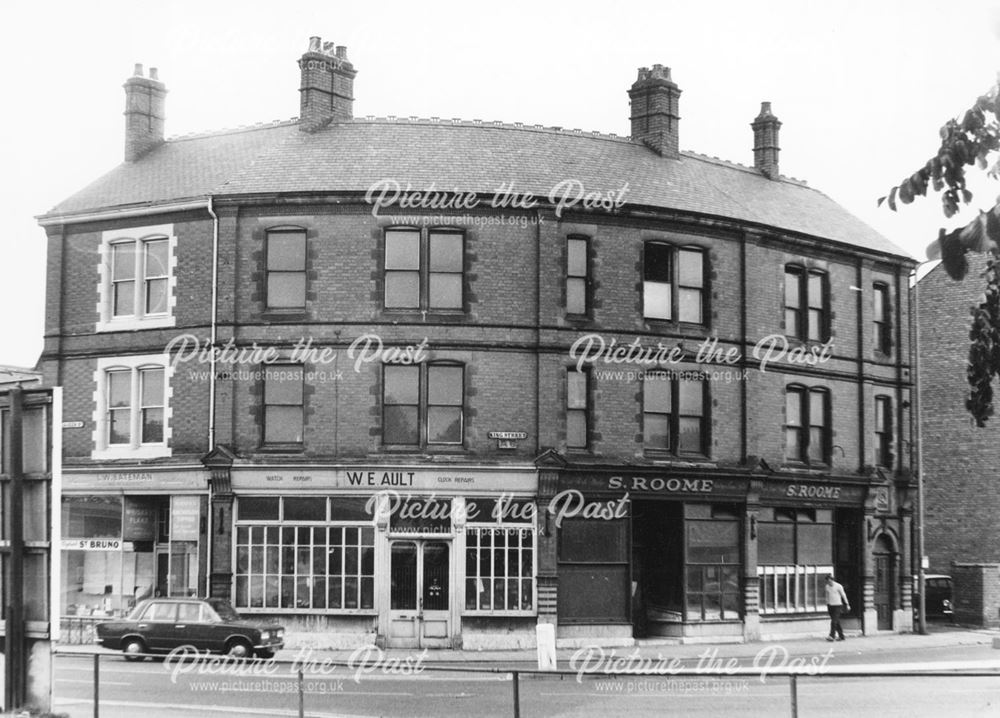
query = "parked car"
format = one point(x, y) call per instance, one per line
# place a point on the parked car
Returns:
point(158, 625)
point(938, 603)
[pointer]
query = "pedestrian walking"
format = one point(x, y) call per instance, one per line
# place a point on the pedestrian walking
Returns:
point(836, 604)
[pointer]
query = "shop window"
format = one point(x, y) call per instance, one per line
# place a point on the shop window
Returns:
point(296, 564)
point(85, 517)
point(807, 304)
point(883, 432)
point(423, 404)
point(712, 574)
point(794, 557)
point(674, 417)
point(577, 276)
point(424, 270)
point(577, 408)
point(881, 318)
point(284, 415)
point(673, 283)
point(594, 577)
point(807, 425)
point(500, 558)
point(286, 269)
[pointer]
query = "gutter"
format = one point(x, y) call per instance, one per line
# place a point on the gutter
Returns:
point(211, 389)
point(46, 220)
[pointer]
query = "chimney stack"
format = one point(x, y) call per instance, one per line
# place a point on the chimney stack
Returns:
point(327, 85)
point(653, 99)
point(765, 142)
point(145, 99)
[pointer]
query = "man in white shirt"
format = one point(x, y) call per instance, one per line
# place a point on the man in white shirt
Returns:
point(836, 603)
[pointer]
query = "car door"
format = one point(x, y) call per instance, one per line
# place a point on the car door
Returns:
point(187, 628)
point(156, 625)
point(213, 631)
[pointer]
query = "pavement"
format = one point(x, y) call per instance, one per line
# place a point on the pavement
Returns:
point(938, 636)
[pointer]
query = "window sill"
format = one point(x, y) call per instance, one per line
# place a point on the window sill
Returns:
point(285, 315)
point(131, 324)
point(153, 451)
point(293, 448)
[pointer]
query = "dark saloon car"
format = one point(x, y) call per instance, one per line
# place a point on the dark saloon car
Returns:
point(159, 625)
point(938, 602)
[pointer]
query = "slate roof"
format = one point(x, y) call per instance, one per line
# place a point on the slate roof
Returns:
point(468, 157)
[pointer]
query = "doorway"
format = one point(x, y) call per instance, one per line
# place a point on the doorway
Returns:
point(420, 594)
point(884, 582)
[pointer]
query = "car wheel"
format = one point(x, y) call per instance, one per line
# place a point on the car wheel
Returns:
point(133, 649)
point(239, 648)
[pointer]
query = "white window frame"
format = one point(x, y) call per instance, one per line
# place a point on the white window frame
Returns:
point(135, 449)
point(502, 525)
point(795, 576)
point(107, 321)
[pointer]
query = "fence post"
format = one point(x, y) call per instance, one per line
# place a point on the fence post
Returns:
point(793, 684)
point(302, 699)
point(517, 697)
point(97, 685)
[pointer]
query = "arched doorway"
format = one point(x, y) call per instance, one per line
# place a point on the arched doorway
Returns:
point(884, 559)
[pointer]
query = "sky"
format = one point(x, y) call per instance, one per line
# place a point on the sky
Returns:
point(860, 87)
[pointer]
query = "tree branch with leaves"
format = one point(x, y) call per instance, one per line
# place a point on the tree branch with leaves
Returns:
point(974, 139)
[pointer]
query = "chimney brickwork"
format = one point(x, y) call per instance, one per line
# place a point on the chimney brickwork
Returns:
point(327, 85)
point(765, 142)
point(145, 100)
point(655, 117)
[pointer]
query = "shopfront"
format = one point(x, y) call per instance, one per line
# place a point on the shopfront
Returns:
point(401, 556)
point(643, 552)
point(129, 535)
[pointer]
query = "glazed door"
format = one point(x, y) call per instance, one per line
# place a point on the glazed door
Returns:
point(883, 590)
point(420, 594)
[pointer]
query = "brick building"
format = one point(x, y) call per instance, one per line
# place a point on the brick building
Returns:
point(960, 460)
point(472, 376)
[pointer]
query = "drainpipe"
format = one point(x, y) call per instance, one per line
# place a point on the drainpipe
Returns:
point(209, 530)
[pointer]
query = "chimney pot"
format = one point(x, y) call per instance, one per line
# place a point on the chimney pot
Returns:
point(765, 142)
point(153, 74)
point(328, 48)
point(342, 52)
point(315, 42)
point(137, 72)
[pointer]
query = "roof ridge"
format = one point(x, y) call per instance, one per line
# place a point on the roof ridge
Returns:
point(459, 122)
point(740, 166)
point(197, 135)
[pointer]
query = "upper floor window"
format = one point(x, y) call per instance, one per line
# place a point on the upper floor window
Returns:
point(132, 408)
point(423, 404)
point(577, 408)
point(424, 270)
point(673, 283)
point(284, 414)
point(881, 317)
point(576, 275)
point(807, 304)
point(883, 431)
point(674, 415)
point(136, 279)
point(286, 269)
point(807, 425)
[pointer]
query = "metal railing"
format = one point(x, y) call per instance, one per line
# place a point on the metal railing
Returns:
point(795, 676)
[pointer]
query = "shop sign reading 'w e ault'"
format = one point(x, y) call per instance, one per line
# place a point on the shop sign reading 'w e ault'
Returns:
point(365, 479)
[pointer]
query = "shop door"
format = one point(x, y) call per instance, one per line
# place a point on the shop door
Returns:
point(420, 594)
point(883, 590)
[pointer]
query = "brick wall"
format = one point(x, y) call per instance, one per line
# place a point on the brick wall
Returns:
point(961, 474)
